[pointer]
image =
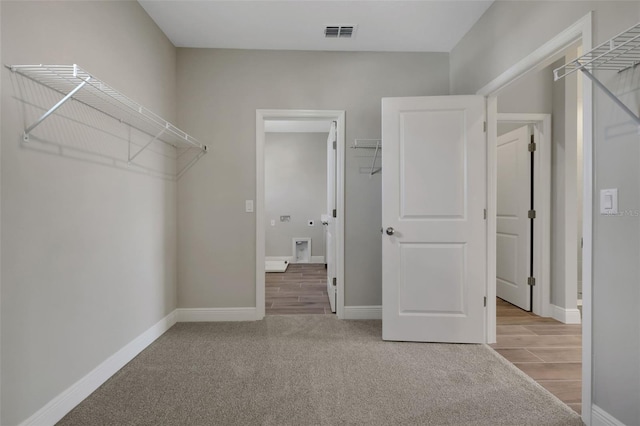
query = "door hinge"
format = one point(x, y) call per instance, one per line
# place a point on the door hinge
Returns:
point(485, 301)
point(531, 214)
point(485, 214)
point(335, 213)
point(532, 145)
point(335, 281)
point(531, 281)
point(484, 126)
point(335, 144)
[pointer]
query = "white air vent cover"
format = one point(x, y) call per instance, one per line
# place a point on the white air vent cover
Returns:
point(339, 31)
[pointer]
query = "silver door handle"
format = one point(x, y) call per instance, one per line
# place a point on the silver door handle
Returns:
point(390, 231)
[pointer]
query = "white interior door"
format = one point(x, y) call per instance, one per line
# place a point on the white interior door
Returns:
point(433, 201)
point(330, 227)
point(513, 239)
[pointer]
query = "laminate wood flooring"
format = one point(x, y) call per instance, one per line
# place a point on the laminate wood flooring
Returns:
point(302, 289)
point(546, 350)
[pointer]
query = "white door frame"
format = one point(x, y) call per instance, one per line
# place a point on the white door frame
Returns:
point(580, 31)
point(263, 115)
point(541, 301)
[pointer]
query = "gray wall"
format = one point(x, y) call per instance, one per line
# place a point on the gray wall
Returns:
point(295, 180)
point(88, 246)
point(218, 94)
point(484, 54)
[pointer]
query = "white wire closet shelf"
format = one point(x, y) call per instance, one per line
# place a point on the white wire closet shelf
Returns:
point(369, 144)
point(617, 54)
point(73, 82)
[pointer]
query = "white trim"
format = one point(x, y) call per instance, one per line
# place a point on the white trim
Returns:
point(599, 417)
point(542, 195)
point(538, 57)
point(279, 114)
point(581, 30)
point(566, 316)
point(492, 218)
point(289, 259)
point(216, 314)
point(363, 312)
point(292, 260)
point(59, 406)
point(587, 229)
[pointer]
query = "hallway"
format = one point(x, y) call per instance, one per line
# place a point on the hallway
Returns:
point(302, 289)
point(546, 350)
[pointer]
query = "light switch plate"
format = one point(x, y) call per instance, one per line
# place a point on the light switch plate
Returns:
point(248, 206)
point(609, 201)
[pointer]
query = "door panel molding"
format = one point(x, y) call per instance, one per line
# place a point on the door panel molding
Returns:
point(433, 198)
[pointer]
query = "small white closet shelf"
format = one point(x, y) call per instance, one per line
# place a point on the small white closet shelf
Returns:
point(617, 54)
point(73, 82)
point(370, 144)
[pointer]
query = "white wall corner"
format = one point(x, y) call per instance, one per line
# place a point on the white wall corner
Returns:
point(62, 404)
point(362, 312)
point(599, 417)
point(216, 314)
point(566, 316)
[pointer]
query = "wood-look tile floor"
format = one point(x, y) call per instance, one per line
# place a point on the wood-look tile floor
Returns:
point(546, 350)
point(302, 289)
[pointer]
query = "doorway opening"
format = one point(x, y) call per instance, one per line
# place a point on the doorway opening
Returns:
point(548, 199)
point(299, 212)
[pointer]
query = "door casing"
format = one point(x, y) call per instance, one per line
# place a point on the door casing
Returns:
point(581, 31)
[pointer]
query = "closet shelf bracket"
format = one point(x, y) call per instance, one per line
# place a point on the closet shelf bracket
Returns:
point(152, 140)
point(617, 54)
point(53, 109)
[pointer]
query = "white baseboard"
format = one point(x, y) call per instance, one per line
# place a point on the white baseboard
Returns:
point(599, 417)
point(566, 316)
point(216, 314)
point(362, 312)
point(59, 406)
point(291, 259)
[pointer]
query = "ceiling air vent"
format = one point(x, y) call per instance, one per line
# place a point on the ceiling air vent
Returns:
point(339, 31)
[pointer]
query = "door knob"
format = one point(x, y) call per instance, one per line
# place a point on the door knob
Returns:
point(390, 231)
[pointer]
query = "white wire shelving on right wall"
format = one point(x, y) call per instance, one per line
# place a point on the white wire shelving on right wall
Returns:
point(617, 54)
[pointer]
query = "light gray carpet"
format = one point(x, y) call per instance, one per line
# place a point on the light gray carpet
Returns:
point(315, 370)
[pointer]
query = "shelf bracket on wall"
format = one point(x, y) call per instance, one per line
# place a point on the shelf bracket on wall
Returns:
point(617, 54)
point(375, 144)
point(53, 109)
point(152, 140)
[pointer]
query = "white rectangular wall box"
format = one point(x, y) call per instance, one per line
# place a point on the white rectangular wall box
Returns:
point(609, 201)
